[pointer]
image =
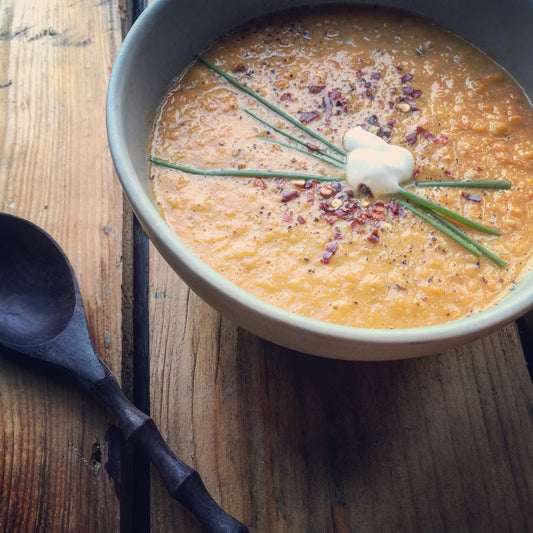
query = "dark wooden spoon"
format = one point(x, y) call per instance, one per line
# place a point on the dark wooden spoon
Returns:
point(42, 316)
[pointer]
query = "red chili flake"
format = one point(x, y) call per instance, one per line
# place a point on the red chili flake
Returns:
point(310, 198)
point(287, 196)
point(392, 122)
point(326, 103)
point(308, 116)
point(416, 173)
point(384, 134)
point(323, 206)
point(471, 197)
point(313, 147)
point(395, 209)
point(377, 211)
point(359, 73)
point(334, 99)
point(287, 217)
point(359, 218)
point(411, 93)
point(286, 97)
point(443, 138)
point(374, 236)
point(369, 95)
point(331, 248)
point(479, 169)
point(315, 89)
point(300, 219)
point(406, 78)
point(448, 173)
point(412, 137)
point(260, 182)
point(239, 68)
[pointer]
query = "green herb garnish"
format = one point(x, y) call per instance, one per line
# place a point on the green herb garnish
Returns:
point(319, 155)
point(467, 184)
point(453, 232)
point(274, 108)
point(311, 151)
point(245, 173)
point(418, 200)
point(438, 216)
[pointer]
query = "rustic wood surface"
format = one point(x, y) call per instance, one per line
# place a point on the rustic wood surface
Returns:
point(56, 446)
point(293, 443)
point(286, 442)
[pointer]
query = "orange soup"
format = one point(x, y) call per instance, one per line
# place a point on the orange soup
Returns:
point(320, 248)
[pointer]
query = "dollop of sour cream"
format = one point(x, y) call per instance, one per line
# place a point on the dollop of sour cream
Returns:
point(371, 161)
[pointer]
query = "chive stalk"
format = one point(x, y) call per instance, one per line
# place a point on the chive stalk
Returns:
point(273, 107)
point(320, 156)
point(467, 184)
point(453, 232)
point(423, 202)
point(484, 251)
point(441, 227)
point(425, 209)
point(336, 161)
point(244, 172)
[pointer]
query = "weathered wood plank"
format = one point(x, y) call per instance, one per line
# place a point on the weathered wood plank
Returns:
point(55, 169)
point(290, 442)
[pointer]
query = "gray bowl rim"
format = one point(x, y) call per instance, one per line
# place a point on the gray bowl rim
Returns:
point(401, 342)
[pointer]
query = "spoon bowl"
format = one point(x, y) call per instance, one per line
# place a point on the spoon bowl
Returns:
point(42, 317)
point(37, 293)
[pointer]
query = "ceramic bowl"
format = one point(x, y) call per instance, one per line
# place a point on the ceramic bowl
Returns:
point(164, 41)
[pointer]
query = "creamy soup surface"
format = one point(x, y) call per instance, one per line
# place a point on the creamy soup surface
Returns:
point(319, 249)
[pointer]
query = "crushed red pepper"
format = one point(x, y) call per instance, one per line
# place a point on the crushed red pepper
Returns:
point(337, 202)
point(471, 197)
point(412, 137)
point(308, 116)
point(286, 97)
point(331, 248)
point(315, 89)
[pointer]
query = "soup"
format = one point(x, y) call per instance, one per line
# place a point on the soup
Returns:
point(320, 248)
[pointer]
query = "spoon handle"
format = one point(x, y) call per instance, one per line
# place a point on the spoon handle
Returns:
point(182, 481)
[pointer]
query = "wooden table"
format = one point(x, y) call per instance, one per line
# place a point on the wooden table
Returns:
point(285, 442)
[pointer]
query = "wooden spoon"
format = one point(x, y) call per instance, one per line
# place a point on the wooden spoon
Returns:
point(42, 316)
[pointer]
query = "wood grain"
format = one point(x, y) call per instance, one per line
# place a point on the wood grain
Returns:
point(293, 443)
point(284, 441)
point(55, 169)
